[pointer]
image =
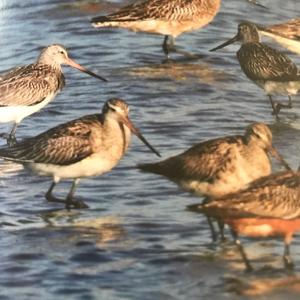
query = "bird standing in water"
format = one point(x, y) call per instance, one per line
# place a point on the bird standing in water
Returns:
point(220, 166)
point(268, 68)
point(88, 146)
point(27, 89)
point(166, 17)
point(269, 206)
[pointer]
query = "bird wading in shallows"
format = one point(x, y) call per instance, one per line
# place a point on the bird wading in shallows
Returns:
point(269, 206)
point(166, 17)
point(268, 68)
point(27, 89)
point(220, 166)
point(89, 146)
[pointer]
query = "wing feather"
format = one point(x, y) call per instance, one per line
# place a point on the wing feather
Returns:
point(29, 85)
point(62, 145)
point(261, 62)
point(202, 162)
point(273, 196)
point(170, 10)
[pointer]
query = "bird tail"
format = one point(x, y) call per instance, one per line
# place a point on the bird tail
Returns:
point(152, 168)
point(16, 153)
point(109, 21)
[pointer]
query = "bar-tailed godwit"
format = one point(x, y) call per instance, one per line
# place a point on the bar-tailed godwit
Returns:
point(220, 166)
point(166, 17)
point(269, 206)
point(88, 146)
point(287, 34)
point(268, 68)
point(25, 90)
point(224, 165)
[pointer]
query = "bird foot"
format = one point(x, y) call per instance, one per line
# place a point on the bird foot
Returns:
point(278, 106)
point(69, 203)
point(76, 205)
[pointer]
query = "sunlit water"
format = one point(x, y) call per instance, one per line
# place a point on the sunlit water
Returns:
point(136, 241)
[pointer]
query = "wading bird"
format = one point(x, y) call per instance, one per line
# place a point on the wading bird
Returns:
point(88, 146)
point(220, 166)
point(268, 68)
point(269, 206)
point(27, 89)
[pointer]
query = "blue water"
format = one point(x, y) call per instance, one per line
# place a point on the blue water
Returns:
point(136, 241)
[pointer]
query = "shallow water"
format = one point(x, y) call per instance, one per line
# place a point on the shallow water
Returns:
point(136, 241)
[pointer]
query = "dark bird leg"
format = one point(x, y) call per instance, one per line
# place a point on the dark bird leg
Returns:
point(290, 102)
point(70, 202)
point(279, 106)
point(10, 138)
point(288, 262)
point(241, 250)
point(212, 229)
point(275, 107)
point(49, 196)
point(221, 229)
point(168, 47)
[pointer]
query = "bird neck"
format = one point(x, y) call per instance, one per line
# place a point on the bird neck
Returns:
point(117, 134)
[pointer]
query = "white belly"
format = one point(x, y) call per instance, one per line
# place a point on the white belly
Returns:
point(282, 88)
point(94, 165)
point(17, 113)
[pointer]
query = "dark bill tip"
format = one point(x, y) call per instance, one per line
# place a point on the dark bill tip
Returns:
point(95, 75)
point(77, 66)
point(136, 131)
point(254, 2)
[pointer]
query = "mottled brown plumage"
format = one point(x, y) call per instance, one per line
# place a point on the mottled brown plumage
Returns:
point(274, 196)
point(88, 146)
point(269, 206)
point(267, 67)
point(166, 17)
point(25, 90)
point(220, 166)
point(263, 63)
point(42, 78)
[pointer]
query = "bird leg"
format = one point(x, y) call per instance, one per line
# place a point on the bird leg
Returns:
point(242, 251)
point(168, 47)
point(275, 107)
point(278, 106)
point(70, 203)
point(10, 138)
point(288, 262)
point(221, 230)
point(49, 196)
point(212, 229)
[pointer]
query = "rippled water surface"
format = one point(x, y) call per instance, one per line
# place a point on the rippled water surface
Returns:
point(136, 241)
